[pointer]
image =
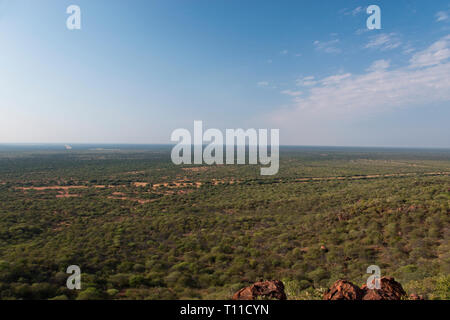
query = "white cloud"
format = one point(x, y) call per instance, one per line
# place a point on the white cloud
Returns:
point(384, 41)
point(408, 49)
point(340, 98)
point(262, 84)
point(306, 81)
point(284, 52)
point(352, 12)
point(357, 10)
point(379, 65)
point(335, 79)
point(327, 46)
point(433, 55)
point(291, 93)
point(441, 16)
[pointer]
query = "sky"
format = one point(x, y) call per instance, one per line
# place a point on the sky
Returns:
point(137, 70)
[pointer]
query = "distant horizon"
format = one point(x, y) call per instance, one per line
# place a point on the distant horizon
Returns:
point(62, 144)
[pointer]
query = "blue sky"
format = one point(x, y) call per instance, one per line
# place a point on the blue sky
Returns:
point(137, 70)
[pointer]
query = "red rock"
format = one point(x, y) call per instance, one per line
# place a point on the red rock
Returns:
point(390, 290)
point(343, 290)
point(265, 289)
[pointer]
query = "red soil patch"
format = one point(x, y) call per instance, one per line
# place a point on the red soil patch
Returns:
point(66, 188)
point(140, 184)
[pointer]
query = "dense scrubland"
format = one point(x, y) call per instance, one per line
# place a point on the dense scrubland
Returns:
point(140, 227)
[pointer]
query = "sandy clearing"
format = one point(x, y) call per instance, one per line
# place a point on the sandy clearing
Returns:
point(52, 188)
point(141, 201)
point(140, 184)
point(67, 195)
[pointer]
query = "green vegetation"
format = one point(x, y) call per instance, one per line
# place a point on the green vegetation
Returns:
point(140, 227)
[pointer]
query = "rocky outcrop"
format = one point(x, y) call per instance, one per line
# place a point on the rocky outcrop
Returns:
point(390, 290)
point(263, 289)
point(345, 290)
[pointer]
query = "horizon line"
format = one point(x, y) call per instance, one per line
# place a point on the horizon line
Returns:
point(173, 144)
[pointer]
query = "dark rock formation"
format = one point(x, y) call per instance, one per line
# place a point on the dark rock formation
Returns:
point(264, 289)
point(345, 290)
point(390, 290)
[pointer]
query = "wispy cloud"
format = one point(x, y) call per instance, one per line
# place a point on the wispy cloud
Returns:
point(441, 16)
point(433, 55)
point(306, 81)
point(284, 52)
point(327, 46)
point(357, 10)
point(408, 49)
point(384, 41)
point(353, 12)
point(262, 84)
point(340, 97)
point(379, 65)
point(291, 93)
point(335, 79)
